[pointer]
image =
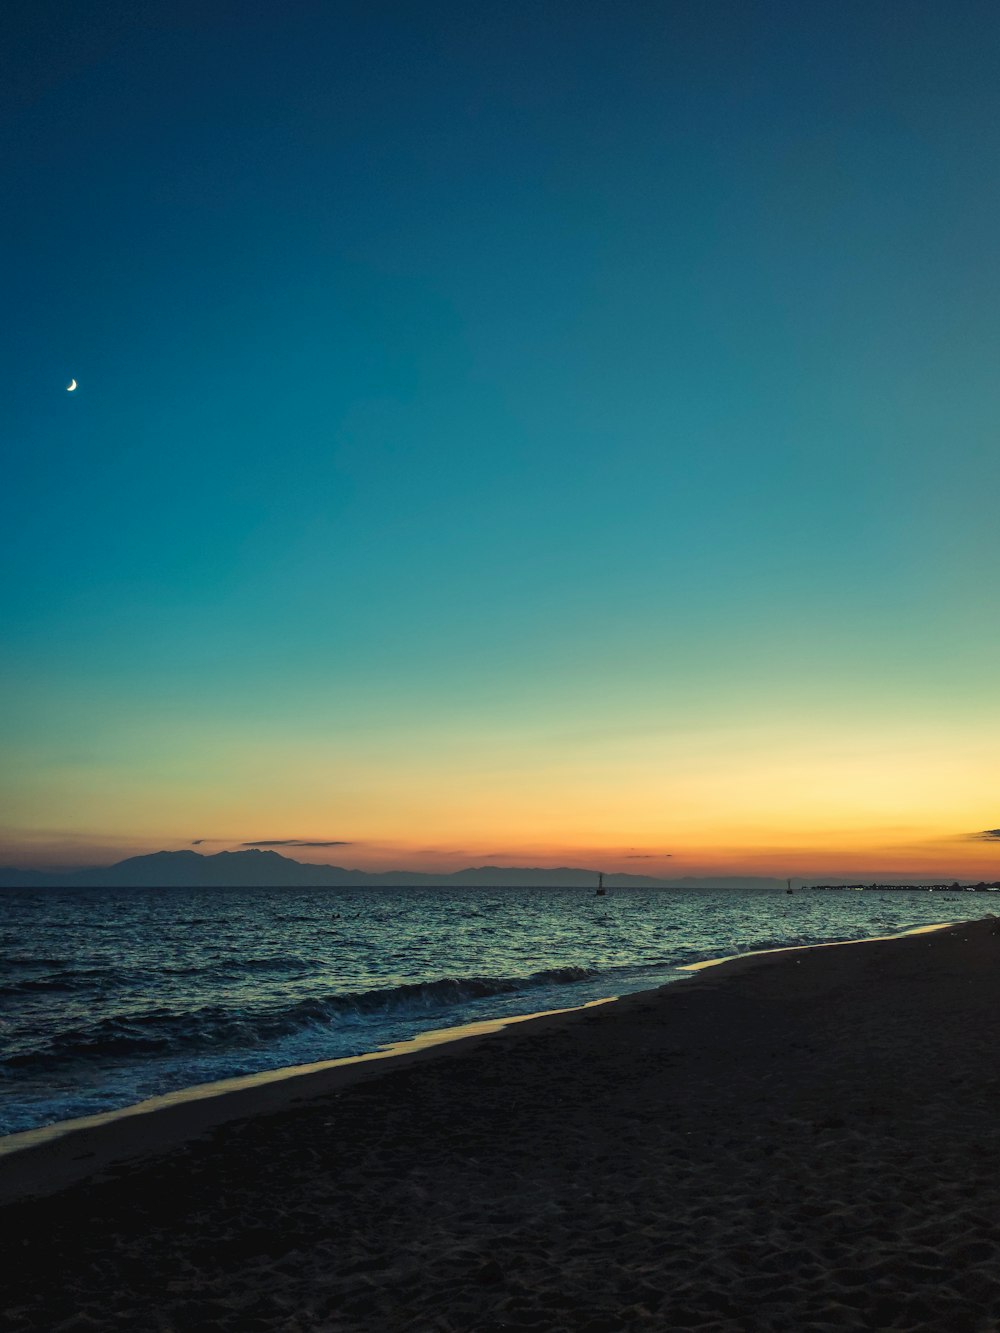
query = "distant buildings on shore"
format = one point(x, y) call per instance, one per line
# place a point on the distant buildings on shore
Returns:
point(981, 887)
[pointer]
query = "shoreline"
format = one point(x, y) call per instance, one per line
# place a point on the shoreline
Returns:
point(42, 1161)
point(806, 1139)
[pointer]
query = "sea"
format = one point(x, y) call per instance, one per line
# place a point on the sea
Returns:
point(111, 996)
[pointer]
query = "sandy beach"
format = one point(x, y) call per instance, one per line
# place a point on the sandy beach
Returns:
point(803, 1140)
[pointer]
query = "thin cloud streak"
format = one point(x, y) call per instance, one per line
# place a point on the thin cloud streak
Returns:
point(295, 842)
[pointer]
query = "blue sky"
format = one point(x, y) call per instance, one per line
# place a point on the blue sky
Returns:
point(533, 367)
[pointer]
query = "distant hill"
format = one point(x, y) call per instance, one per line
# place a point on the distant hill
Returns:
point(264, 869)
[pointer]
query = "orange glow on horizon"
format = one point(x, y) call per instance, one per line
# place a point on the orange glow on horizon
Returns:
point(804, 799)
point(833, 855)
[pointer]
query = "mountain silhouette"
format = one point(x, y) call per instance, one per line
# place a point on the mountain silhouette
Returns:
point(266, 869)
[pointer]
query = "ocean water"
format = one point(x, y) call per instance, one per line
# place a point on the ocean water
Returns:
point(111, 996)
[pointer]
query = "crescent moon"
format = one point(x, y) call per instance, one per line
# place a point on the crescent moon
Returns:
point(71, 386)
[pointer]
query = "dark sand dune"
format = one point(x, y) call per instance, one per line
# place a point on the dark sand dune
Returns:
point(806, 1140)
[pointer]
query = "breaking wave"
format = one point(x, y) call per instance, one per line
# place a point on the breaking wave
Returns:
point(165, 1031)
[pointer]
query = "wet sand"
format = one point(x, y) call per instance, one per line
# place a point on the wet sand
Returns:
point(796, 1141)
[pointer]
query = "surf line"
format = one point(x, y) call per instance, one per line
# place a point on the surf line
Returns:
point(823, 944)
point(45, 1134)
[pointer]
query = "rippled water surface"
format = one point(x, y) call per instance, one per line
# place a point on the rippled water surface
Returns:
point(109, 996)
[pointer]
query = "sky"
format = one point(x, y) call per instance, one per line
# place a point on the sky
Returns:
point(536, 433)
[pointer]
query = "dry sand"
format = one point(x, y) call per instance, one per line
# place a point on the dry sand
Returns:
point(804, 1140)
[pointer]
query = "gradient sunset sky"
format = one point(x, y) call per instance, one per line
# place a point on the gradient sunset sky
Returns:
point(542, 433)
